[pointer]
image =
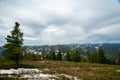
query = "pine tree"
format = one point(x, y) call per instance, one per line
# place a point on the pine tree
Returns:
point(47, 57)
point(119, 57)
point(52, 56)
point(101, 56)
point(68, 56)
point(59, 56)
point(95, 57)
point(13, 49)
point(89, 56)
point(76, 56)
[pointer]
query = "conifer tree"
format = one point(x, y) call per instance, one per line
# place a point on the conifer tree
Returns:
point(119, 57)
point(52, 56)
point(101, 56)
point(59, 56)
point(89, 56)
point(76, 56)
point(13, 49)
point(68, 56)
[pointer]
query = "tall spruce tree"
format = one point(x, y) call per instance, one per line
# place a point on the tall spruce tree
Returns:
point(52, 56)
point(59, 56)
point(119, 57)
point(76, 56)
point(13, 49)
point(68, 56)
point(89, 56)
point(101, 56)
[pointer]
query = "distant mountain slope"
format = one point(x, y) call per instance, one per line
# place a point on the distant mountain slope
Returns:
point(110, 49)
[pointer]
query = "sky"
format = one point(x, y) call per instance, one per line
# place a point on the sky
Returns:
point(50, 22)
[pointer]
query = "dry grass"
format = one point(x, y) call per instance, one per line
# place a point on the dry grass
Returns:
point(85, 71)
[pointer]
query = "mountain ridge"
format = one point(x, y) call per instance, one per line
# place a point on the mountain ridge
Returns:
point(110, 49)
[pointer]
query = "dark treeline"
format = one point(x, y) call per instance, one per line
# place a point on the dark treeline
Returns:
point(97, 57)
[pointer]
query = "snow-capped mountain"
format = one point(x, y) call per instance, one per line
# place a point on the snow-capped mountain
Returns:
point(110, 49)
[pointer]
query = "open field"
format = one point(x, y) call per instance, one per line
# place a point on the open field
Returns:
point(81, 70)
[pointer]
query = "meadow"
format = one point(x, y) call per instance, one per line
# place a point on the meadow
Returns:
point(81, 70)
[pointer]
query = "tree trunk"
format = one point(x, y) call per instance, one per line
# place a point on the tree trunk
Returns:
point(17, 63)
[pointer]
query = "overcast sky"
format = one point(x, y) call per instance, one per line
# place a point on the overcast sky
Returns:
point(62, 21)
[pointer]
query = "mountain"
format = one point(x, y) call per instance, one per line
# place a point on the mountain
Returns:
point(110, 49)
point(1, 50)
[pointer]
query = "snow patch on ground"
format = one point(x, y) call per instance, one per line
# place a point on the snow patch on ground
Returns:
point(34, 74)
point(19, 71)
point(117, 70)
point(70, 77)
point(39, 76)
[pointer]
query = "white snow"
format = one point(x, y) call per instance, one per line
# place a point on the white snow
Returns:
point(117, 70)
point(70, 77)
point(38, 76)
point(34, 74)
point(96, 47)
point(19, 71)
point(6, 72)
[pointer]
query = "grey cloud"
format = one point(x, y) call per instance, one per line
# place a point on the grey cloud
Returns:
point(62, 21)
point(57, 21)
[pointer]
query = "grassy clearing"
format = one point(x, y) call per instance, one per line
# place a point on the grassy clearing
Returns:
point(85, 71)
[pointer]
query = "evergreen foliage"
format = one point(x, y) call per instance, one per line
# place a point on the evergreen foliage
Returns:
point(52, 56)
point(119, 58)
point(59, 56)
point(68, 56)
point(13, 49)
point(76, 56)
point(89, 56)
point(101, 56)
